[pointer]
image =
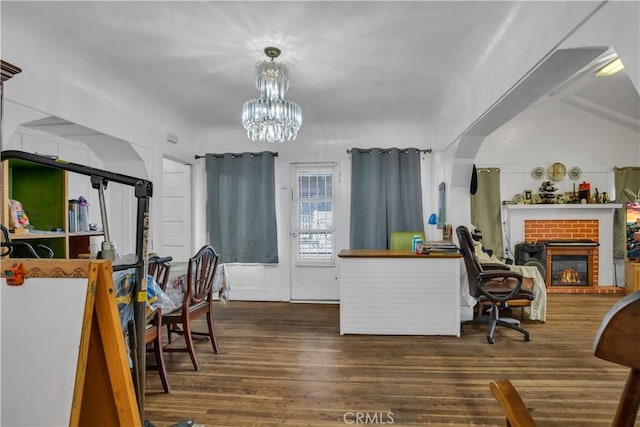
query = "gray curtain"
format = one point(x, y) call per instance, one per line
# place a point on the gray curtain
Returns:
point(386, 195)
point(241, 208)
point(485, 209)
point(627, 177)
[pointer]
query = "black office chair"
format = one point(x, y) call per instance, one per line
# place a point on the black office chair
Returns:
point(497, 287)
point(8, 246)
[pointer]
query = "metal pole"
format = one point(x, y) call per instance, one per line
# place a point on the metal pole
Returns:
point(108, 247)
point(143, 191)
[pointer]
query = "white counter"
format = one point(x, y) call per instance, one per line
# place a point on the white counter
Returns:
point(386, 293)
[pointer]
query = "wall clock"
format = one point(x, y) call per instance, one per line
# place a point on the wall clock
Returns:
point(556, 171)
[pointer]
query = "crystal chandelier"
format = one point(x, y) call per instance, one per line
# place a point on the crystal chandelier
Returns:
point(271, 118)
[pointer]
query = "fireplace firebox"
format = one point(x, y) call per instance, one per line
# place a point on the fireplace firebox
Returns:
point(570, 262)
point(570, 270)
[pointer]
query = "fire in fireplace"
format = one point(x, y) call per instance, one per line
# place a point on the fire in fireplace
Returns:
point(569, 270)
point(570, 262)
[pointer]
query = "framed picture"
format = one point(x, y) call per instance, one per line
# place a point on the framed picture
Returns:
point(527, 195)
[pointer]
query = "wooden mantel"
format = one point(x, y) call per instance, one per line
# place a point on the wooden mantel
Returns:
point(516, 215)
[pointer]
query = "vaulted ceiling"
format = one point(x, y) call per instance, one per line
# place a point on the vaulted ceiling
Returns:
point(349, 61)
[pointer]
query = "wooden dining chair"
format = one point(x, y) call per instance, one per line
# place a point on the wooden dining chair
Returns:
point(617, 341)
point(198, 301)
point(159, 269)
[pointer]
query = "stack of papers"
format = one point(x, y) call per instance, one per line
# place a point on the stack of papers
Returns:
point(440, 247)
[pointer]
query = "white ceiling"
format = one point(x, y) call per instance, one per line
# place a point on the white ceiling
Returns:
point(348, 60)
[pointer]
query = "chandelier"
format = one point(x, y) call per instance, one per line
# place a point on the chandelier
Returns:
point(271, 118)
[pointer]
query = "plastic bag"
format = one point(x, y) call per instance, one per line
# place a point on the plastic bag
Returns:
point(176, 289)
point(124, 282)
point(156, 297)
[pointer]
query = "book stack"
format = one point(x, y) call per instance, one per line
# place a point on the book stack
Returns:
point(440, 247)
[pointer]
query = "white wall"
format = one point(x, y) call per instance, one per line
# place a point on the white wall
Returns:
point(554, 131)
point(312, 145)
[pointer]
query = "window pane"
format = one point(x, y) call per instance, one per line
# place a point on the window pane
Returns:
point(315, 184)
point(315, 215)
point(315, 246)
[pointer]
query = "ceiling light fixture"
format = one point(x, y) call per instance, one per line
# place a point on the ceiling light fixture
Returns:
point(271, 118)
point(611, 68)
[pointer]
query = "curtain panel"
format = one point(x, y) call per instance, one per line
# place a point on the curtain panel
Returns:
point(241, 208)
point(629, 178)
point(386, 195)
point(486, 208)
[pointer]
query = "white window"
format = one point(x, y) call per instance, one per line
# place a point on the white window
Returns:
point(314, 203)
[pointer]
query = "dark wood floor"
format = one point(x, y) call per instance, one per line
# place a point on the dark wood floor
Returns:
point(286, 364)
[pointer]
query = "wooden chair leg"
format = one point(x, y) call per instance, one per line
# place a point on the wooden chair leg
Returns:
point(162, 369)
point(188, 339)
point(629, 402)
point(212, 334)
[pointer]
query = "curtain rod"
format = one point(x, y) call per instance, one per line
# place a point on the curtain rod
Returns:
point(197, 156)
point(428, 150)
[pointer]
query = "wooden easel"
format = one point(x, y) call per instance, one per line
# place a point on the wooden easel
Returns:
point(103, 392)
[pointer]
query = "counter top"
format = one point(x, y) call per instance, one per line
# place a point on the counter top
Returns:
point(388, 253)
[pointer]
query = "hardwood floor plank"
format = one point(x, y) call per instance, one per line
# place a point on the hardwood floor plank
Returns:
point(286, 364)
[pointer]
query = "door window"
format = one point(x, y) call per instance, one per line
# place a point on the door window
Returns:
point(315, 206)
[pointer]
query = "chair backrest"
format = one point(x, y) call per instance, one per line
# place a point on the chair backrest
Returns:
point(159, 269)
point(465, 241)
point(618, 341)
point(401, 240)
point(200, 274)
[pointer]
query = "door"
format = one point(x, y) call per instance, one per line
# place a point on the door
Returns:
point(176, 210)
point(313, 252)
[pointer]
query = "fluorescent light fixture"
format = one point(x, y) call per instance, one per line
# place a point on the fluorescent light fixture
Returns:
point(611, 68)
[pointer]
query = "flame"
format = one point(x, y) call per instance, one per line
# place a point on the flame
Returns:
point(570, 275)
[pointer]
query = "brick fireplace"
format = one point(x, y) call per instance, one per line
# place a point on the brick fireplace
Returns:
point(569, 230)
point(567, 222)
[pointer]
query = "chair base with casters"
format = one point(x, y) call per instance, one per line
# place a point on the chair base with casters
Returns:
point(493, 320)
point(198, 300)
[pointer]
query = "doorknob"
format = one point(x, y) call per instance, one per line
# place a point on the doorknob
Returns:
point(294, 235)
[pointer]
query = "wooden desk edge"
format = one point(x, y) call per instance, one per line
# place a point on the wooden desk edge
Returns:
point(387, 253)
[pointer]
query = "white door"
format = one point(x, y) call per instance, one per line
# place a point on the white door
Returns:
point(313, 266)
point(176, 210)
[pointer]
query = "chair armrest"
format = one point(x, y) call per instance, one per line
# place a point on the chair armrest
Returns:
point(512, 405)
point(494, 266)
point(486, 276)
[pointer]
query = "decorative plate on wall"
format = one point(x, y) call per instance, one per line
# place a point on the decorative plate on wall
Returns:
point(538, 172)
point(575, 172)
point(518, 199)
point(556, 171)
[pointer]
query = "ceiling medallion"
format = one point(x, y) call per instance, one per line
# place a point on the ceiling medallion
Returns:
point(271, 118)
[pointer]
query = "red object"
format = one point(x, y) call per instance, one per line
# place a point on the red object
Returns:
point(15, 274)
